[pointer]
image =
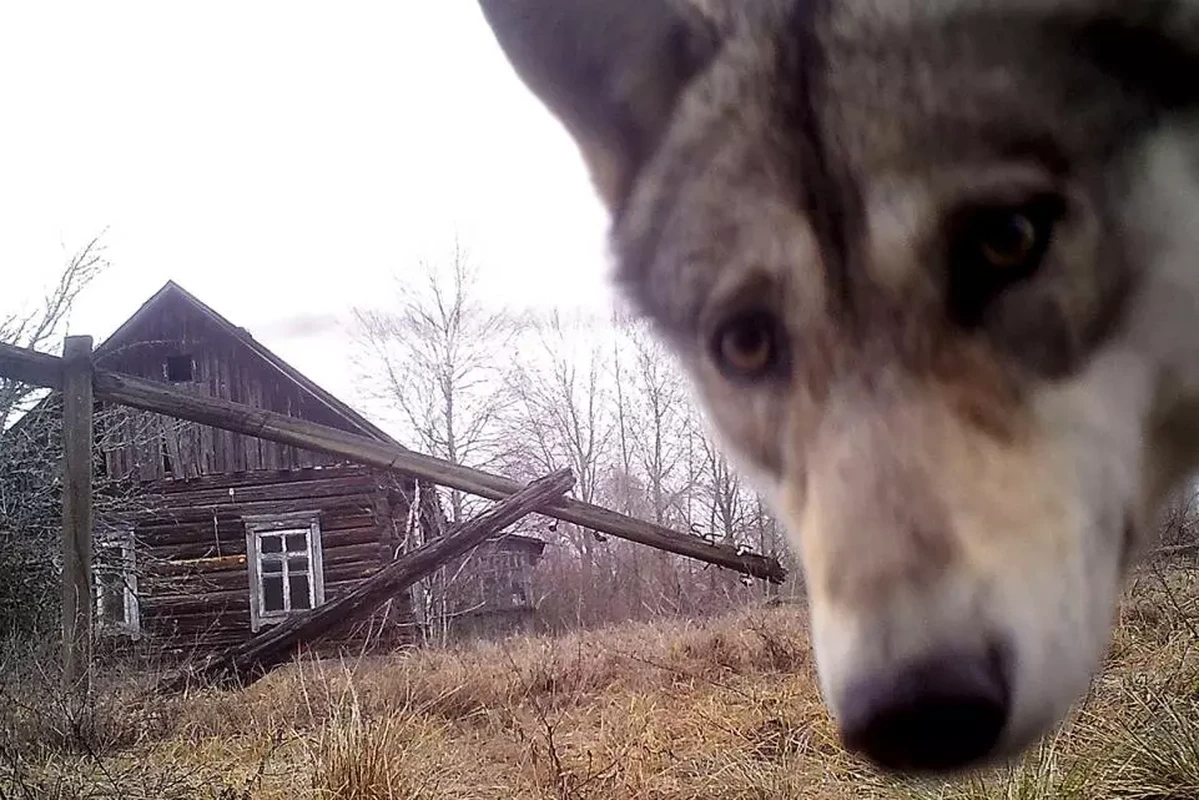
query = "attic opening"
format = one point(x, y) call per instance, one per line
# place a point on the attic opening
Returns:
point(180, 369)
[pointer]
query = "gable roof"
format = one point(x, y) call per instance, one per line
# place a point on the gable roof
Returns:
point(172, 291)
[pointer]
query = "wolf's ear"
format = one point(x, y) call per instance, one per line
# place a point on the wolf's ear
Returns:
point(1150, 45)
point(609, 70)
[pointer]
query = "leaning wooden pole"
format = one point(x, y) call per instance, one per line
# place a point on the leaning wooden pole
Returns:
point(161, 398)
point(77, 434)
point(247, 661)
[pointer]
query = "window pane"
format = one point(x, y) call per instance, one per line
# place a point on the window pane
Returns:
point(272, 593)
point(271, 544)
point(299, 591)
point(297, 543)
point(271, 565)
point(112, 602)
point(297, 564)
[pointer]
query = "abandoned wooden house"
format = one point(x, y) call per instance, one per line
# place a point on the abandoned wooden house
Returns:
point(488, 590)
point(226, 534)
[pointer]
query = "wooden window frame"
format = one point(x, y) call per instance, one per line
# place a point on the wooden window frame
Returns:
point(307, 523)
point(121, 539)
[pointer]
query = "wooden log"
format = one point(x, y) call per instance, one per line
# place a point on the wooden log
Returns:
point(210, 622)
point(196, 603)
point(77, 437)
point(248, 661)
point(194, 585)
point(348, 554)
point(31, 367)
point(164, 399)
point(197, 566)
point(240, 480)
point(329, 487)
point(352, 572)
point(362, 503)
point(169, 559)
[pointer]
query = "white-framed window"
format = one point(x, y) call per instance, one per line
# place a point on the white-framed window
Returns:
point(283, 557)
point(114, 577)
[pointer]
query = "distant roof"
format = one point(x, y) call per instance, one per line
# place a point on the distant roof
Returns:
point(172, 291)
point(521, 539)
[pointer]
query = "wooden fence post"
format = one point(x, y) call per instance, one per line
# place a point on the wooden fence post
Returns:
point(77, 436)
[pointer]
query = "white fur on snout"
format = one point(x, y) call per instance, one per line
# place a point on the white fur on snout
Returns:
point(1061, 612)
point(854, 648)
point(1046, 594)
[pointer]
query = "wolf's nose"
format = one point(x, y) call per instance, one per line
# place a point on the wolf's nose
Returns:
point(935, 715)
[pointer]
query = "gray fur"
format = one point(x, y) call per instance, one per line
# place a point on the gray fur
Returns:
point(812, 164)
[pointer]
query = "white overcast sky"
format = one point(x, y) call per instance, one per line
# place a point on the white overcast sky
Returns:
point(281, 160)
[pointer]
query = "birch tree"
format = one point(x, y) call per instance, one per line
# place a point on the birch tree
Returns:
point(436, 354)
point(563, 411)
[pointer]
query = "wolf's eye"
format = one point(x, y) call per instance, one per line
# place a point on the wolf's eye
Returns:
point(748, 345)
point(993, 247)
point(1008, 240)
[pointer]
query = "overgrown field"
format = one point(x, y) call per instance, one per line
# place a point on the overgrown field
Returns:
point(722, 709)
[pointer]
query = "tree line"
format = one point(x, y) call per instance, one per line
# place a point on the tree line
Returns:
point(524, 393)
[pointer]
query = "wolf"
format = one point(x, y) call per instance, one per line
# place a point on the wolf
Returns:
point(930, 266)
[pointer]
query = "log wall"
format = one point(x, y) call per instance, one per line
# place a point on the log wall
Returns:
point(194, 584)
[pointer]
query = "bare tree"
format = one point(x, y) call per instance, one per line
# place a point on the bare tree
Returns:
point(624, 468)
point(562, 411)
point(658, 458)
point(40, 325)
point(1178, 523)
point(662, 424)
point(533, 394)
point(726, 501)
point(436, 355)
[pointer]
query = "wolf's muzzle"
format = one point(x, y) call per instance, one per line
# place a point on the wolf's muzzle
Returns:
point(941, 713)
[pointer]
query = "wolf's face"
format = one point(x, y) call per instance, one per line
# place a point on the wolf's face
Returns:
point(930, 267)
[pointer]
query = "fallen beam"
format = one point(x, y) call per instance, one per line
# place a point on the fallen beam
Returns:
point(164, 399)
point(246, 662)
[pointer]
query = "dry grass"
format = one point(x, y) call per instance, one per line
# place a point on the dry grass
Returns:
point(724, 709)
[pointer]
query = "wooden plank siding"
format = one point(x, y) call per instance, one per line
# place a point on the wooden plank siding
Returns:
point(225, 368)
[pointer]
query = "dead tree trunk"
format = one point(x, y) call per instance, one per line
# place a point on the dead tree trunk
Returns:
point(248, 661)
